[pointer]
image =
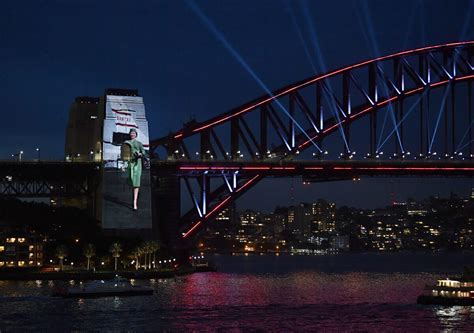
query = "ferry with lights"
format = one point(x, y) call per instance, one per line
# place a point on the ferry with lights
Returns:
point(450, 291)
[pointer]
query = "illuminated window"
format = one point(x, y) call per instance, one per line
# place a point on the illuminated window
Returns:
point(11, 240)
point(31, 247)
point(21, 263)
point(30, 263)
point(32, 255)
point(21, 240)
point(2, 248)
point(2, 263)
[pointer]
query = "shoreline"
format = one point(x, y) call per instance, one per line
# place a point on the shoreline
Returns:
point(101, 275)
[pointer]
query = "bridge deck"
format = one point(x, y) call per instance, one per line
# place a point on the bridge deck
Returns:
point(48, 178)
point(321, 169)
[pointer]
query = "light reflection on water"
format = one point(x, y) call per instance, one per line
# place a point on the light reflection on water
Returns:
point(244, 298)
point(453, 317)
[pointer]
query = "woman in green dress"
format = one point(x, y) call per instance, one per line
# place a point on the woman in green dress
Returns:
point(137, 152)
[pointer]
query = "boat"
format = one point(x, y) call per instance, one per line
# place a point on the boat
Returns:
point(102, 288)
point(450, 291)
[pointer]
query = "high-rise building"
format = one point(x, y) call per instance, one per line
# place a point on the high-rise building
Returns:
point(323, 216)
point(20, 249)
point(291, 215)
point(84, 130)
point(302, 223)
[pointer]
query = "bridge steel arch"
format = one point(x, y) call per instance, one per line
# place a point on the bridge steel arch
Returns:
point(300, 116)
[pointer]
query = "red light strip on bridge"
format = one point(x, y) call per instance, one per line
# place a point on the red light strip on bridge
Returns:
point(438, 169)
point(219, 205)
point(439, 83)
point(382, 168)
point(313, 168)
point(301, 85)
point(193, 168)
point(207, 168)
point(247, 183)
point(191, 230)
point(463, 77)
point(234, 168)
point(255, 168)
point(405, 168)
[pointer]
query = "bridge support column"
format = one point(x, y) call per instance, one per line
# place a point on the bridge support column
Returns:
point(166, 197)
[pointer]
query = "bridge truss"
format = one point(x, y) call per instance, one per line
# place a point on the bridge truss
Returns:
point(409, 113)
point(48, 179)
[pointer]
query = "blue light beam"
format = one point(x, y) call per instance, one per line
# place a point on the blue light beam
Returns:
point(410, 110)
point(300, 34)
point(440, 113)
point(220, 36)
point(323, 68)
point(376, 53)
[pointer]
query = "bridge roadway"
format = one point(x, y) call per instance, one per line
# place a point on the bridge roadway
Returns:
point(43, 179)
point(319, 170)
point(48, 178)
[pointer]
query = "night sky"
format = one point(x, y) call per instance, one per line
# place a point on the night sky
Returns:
point(53, 51)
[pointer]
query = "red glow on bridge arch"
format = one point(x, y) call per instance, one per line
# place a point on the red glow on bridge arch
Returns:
point(315, 79)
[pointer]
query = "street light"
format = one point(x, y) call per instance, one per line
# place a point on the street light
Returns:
point(38, 151)
point(19, 155)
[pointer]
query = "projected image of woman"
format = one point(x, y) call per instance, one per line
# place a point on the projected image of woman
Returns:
point(137, 153)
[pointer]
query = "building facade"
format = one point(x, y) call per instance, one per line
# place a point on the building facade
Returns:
point(20, 250)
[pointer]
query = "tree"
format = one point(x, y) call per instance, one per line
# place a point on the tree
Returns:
point(143, 252)
point(61, 253)
point(115, 249)
point(125, 263)
point(136, 254)
point(154, 246)
point(146, 250)
point(149, 247)
point(89, 252)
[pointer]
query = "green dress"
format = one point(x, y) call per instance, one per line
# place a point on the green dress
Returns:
point(135, 164)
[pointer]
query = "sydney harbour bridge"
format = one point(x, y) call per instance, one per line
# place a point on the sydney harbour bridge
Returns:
point(404, 114)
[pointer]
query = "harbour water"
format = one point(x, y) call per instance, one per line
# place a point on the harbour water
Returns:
point(348, 292)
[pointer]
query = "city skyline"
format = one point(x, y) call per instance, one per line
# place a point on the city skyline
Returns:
point(322, 227)
point(467, 196)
